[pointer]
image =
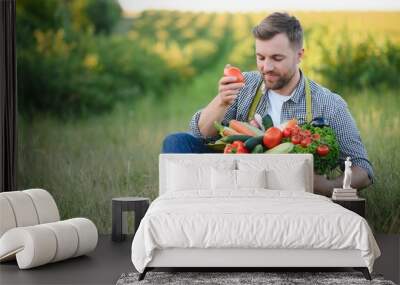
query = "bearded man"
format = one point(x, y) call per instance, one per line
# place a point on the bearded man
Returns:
point(283, 86)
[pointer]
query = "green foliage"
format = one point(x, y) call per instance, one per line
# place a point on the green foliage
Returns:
point(33, 15)
point(64, 71)
point(103, 14)
point(365, 65)
point(89, 78)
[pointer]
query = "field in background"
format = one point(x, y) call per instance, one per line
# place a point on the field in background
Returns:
point(84, 162)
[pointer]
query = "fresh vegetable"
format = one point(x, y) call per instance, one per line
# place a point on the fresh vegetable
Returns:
point(305, 133)
point(281, 148)
point(235, 72)
point(225, 131)
point(323, 146)
point(241, 128)
point(242, 137)
point(305, 142)
point(315, 137)
point(253, 141)
point(288, 124)
point(232, 138)
point(272, 137)
point(220, 141)
point(240, 148)
point(286, 133)
point(322, 150)
point(229, 149)
point(258, 149)
point(267, 122)
point(295, 130)
point(257, 131)
point(296, 139)
point(236, 147)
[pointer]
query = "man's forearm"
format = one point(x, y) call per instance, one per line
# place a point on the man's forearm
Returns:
point(359, 180)
point(213, 112)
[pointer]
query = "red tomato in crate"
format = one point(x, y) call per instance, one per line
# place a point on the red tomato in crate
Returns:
point(296, 139)
point(322, 150)
point(272, 137)
point(286, 133)
point(305, 142)
point(295, 130)
point(315, 137)
point(235, 72)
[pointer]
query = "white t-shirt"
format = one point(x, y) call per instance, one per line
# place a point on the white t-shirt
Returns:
point(275, 107)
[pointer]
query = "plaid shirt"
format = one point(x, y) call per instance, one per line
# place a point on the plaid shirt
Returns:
point(325, 104)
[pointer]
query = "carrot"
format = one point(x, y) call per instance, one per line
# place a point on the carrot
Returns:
point(241, 128)
point(224, 131)
point(229, 132)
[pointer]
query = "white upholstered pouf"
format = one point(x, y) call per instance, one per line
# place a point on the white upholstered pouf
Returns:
point(31, 232)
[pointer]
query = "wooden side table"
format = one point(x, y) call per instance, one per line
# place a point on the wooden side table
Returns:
point(357, 205)
point(126, 204)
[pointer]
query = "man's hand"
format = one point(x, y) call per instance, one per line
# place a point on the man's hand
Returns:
point(216, 109)
point(228, 90)
point(324, 186)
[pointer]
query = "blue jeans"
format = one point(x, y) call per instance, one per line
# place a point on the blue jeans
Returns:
point(184, 143)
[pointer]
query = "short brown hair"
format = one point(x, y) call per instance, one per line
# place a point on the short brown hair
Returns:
point(277, 23)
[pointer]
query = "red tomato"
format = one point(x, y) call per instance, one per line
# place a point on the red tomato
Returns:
point(322, 150)
point(272, 137)
point(239, 147)
point(306, 142)
point(234, 71)
point(295, 130)
point(307, 133)
point(286, 132)
point(242, 149)
point(228, 148)
point(315, 137)
point(237, 143)
point(296, 139)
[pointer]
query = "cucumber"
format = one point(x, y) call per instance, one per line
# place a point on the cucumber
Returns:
point(252, 142)
point(267, 122)
point(281, 148)
point(220, 141)
point(232, 138)
point(258, 149)
point(257, 131)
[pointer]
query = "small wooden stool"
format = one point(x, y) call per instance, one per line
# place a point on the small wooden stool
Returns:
point(126, 204)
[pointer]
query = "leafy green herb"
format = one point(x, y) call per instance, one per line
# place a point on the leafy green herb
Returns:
point(322, 164)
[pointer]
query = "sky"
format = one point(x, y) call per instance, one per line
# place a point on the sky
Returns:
point(259, 5)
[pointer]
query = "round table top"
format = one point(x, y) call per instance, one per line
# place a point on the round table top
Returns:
point(130, 199)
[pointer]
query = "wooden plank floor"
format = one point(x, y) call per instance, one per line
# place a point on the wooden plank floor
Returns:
point(110, 260)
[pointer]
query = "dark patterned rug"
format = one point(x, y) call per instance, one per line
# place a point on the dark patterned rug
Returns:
point(231, 278)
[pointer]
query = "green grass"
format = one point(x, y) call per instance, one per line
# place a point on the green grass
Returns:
point(378, 118)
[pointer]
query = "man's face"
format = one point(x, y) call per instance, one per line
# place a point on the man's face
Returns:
point(277, 60)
